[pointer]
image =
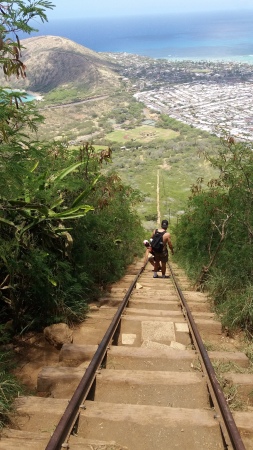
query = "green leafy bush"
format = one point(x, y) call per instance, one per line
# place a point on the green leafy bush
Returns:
point(45, 192)
point(106, 240)
point(10, 388)
point(214, 236)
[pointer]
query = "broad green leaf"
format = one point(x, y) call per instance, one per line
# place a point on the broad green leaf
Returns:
point(24, 213)
point(57, 203)
point(7, 222)
point(21, 231)
point(62, 230)
point(43, 209)
point(72, 211)
point(84, 193)
point(75, 216)
point(66, 171)
point(24, 204)
point(27, 207)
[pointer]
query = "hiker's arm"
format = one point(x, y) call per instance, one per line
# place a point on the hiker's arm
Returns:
point(170, 244)
point(146, 256)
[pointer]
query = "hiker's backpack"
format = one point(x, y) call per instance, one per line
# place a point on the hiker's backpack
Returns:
point(157, 242)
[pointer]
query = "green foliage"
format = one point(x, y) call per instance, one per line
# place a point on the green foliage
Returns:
point(38, 228)
point(62, 95)
point(45, 192)
point(214, 236)
point(113, 232)
point(56, 250)
point(15, 16)
point(177, 156)
point(9, 386)
point(165, 121)
point(35, 239)
point(237, 308)
point(133, 110)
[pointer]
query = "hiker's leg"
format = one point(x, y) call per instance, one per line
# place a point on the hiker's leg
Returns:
point(151, 260)
point(163, 264)
point(164, 260)
point(156, 265)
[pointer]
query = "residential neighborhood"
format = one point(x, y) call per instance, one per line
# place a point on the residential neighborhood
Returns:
point(214, 96)
point(216, 108)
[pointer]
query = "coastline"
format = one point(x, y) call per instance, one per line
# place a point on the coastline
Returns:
point(36, 95)
point(223, 35)
point(29, 95)
point(241, 59)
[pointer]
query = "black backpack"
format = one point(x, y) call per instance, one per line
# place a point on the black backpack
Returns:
point(157, 242)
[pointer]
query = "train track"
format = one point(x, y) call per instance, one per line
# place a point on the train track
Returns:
point(148, 385)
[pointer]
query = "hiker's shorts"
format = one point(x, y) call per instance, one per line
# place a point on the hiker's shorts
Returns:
point(161, 257)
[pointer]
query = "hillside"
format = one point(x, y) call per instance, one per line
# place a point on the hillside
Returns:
point(55, 62)
point(85, 100)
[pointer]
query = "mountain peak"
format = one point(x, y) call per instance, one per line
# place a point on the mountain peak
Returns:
point(54, 61)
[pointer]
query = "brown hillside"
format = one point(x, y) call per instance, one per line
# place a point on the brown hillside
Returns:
point(53, 61)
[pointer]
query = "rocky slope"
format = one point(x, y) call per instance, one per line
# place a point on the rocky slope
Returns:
point(54, 61)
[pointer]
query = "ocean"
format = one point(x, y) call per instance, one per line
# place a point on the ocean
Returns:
point(213, 36)
point(27, 97)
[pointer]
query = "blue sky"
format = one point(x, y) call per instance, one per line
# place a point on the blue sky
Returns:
point(103, 8)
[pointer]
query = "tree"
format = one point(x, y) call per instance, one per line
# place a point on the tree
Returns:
point(15, 17)
point(16, 119)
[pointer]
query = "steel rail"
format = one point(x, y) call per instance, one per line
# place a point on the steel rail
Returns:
point(228, 419)
point(72, 411)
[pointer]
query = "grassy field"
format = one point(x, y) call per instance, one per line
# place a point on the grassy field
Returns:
point(174, 153)
point(143, 133)
point(179, 165)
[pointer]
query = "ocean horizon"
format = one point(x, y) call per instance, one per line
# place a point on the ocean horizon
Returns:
point(219, 35)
